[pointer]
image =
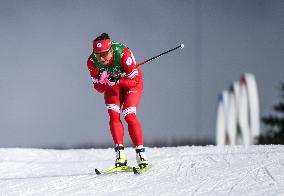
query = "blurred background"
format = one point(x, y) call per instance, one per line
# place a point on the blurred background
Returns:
point(46, 94)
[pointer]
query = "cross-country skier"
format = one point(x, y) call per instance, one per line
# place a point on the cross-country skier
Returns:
point(114, 72)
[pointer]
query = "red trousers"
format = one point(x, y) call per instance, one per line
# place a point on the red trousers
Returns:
point(126, 100)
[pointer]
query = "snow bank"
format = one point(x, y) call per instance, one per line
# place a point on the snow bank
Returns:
point(254, 170)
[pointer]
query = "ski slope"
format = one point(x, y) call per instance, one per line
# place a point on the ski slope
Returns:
point(210, 170)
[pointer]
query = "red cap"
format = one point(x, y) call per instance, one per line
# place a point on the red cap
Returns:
point(101, 45)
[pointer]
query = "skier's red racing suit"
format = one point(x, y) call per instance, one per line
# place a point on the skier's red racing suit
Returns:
point(123, 96)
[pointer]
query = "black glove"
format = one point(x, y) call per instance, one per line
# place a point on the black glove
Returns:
point(113, 79)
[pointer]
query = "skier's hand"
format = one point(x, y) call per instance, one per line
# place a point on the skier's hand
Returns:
point(113, 79)
point(109, 83)
point(102, 76)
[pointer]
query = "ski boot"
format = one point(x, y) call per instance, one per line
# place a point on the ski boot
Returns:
point(120, 160)
point(141, 158)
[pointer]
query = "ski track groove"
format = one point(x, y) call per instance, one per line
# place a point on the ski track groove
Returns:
point(248, 174)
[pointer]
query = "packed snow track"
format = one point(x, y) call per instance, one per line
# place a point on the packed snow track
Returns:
point(187, 170)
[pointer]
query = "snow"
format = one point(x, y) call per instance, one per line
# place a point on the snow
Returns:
point(187, 170)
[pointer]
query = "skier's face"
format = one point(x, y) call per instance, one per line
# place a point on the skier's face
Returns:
point(104, 57)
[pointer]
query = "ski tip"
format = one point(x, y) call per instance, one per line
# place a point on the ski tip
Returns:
point(182, 46)
point(97, 171)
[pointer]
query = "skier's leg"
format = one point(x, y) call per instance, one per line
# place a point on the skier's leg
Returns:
point(115, 124)
point(130, 105)
point(134, 129)
point(112, 100)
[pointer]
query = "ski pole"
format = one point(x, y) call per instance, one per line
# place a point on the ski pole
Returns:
point(181, 46)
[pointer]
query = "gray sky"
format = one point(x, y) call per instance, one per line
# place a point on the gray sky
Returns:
point(46, 95)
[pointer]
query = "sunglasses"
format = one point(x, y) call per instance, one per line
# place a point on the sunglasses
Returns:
point(102, 54)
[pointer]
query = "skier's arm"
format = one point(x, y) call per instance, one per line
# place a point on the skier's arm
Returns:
point(101, 88)
point(132, 77)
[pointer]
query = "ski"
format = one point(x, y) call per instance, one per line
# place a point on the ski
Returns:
point(115, 170)
point(138, 171)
